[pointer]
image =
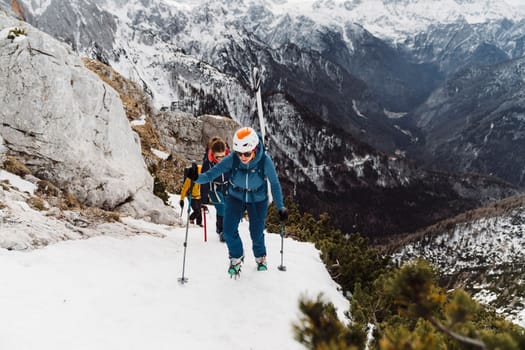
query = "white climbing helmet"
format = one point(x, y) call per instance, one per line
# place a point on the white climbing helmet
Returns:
point(245, 140)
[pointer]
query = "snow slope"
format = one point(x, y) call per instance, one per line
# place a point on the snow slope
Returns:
point(118, 292)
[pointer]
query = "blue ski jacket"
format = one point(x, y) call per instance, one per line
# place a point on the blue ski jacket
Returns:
point(248, 181)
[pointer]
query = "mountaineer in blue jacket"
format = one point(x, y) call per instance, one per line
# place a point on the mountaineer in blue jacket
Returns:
point(216, 190)
point(250, 166)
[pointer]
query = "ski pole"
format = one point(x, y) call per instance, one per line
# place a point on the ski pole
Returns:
point(204, 210)
point(282, 267)
point(183, 279)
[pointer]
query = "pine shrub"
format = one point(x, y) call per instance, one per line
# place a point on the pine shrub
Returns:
point(406, 305)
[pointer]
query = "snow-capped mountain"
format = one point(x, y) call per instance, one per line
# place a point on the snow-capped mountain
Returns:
point(456, 46)
point(313, 41)
point(396, 20)
point(475, 122)
point(133, 35)
point(319, 71)
point(143, 43)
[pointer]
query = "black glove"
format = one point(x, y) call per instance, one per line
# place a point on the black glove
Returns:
point(204, 208)
point(193, 173)
point(283, 214)
point(181, 203)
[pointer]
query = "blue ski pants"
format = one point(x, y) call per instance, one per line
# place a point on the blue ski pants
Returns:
point(234, 211)
point(217, 199)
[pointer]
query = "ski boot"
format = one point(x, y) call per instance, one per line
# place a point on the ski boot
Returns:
point(261, 263)
point(235, 267)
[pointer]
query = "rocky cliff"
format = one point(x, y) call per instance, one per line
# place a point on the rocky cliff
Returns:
point(68, 127)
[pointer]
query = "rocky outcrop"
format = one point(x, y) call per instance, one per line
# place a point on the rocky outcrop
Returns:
point(68, 126)
point(187, 136)
point(23, 226)
point(3, 149)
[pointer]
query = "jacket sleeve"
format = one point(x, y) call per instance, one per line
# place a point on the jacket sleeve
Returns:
point(185, 188)
point(221, 167)
point(275, 185)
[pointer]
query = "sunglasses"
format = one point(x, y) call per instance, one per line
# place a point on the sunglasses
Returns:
point(219, 157)
point(244, 154)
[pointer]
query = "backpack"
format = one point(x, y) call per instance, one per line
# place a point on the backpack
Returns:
point(187, 170)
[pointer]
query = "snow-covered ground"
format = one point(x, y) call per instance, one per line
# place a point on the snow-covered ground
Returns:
point(121, 292)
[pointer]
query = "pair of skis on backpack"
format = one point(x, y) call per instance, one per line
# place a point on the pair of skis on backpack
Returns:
point(236, 263)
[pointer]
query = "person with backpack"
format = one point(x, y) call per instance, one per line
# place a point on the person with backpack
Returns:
point(216, 190)
point(250, 168)
point(195, 203)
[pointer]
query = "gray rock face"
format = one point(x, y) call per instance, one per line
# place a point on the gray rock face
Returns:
point(4, 5)
point(460, 45)
point(24, 228)
point(3, 149)
point(67, 125)
point(93, 34)
point(185, 135)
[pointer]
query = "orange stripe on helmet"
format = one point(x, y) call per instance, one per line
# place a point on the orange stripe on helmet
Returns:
point(242, 133)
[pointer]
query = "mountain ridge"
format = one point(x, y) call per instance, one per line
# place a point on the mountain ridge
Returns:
point(216, 80)
point(479, 251)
